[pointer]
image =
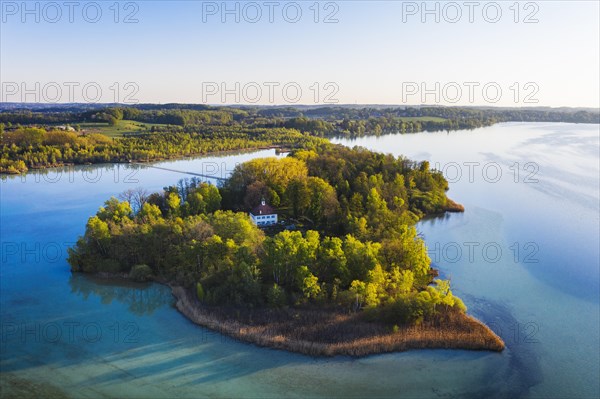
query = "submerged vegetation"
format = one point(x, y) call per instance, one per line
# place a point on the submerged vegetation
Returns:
point(346, 272)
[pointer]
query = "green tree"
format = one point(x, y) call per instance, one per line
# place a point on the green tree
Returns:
point(276, 296)
point(310, 284)
point(358, 290)
point(115, 210)
point(173, 203)
point(211, 197)
point(286, 253)
point(361, 257)
point(331, 261)
point(149, 213)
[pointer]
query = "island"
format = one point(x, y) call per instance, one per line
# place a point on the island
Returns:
point(316, 253)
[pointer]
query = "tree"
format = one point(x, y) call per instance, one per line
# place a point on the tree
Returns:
point(199, 198)
point(236, 226)
point(358, 289)
point(149, 213)
point(276, 296)
point(273, 172)
point(115, 210)
point(97, 229)
point(195, 204)
point(255, 192)
point(375, 292)
point(136, 197)
point(173, 203)
point(298, 196)
point(408, 252)
point(112, 121)
point(285, 254)
point(310, 284)
point(400, 282)
point(441, 294)
point(331, 261)
point(140, 273)
point(378, 215)
point(323, 206)
point(361, 257)
point(211, 197)
point(182, 235)
point(24, 137)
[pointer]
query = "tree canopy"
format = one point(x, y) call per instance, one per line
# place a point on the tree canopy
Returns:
point(355, 246)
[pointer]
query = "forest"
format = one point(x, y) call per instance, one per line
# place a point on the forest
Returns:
point(348, 243)
point(35, 148)
point(53, 136)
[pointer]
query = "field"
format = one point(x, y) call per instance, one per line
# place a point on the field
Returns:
point(121, 128)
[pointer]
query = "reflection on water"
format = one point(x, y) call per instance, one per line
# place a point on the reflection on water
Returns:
point(141, 299)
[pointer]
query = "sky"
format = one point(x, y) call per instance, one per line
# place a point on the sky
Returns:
point(504, 53)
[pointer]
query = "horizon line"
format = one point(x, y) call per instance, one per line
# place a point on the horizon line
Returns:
point(233, 105)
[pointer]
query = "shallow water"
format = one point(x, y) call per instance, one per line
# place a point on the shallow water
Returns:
point(89, 338)
point(525, 254)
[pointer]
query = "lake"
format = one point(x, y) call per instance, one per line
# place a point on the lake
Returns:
point(524, 257)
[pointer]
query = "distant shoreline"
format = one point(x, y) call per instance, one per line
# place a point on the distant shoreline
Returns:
point(280, 148)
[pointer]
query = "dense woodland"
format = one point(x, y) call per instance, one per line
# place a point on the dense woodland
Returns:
point(32, 147)
point(349, 243)
point(39, 139)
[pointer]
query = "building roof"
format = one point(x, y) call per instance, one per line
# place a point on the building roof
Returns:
point(263, 209)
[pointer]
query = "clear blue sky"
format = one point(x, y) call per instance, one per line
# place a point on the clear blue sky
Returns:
point(379, 52)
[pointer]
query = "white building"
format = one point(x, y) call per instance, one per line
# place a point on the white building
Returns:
point(263, 215)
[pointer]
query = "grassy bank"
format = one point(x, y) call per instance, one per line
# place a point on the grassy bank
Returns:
point(120, 128)
point(330, 333)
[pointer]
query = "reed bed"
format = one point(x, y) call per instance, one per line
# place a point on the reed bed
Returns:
point(331, 333)
point(452, 206)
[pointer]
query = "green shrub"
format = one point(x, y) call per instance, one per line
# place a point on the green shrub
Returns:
point(403, 311)
point(140, 273)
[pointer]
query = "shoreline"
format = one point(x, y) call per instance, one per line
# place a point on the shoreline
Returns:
point(276, 147)
point(474, 335)
point(283, 329)
point(328, 332)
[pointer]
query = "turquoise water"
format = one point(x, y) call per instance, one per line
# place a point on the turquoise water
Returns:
point(532, 275)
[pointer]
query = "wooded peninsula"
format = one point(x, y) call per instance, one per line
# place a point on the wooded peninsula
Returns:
point(55, 135)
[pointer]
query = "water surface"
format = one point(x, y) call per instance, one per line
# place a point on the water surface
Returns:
point(90, 338)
